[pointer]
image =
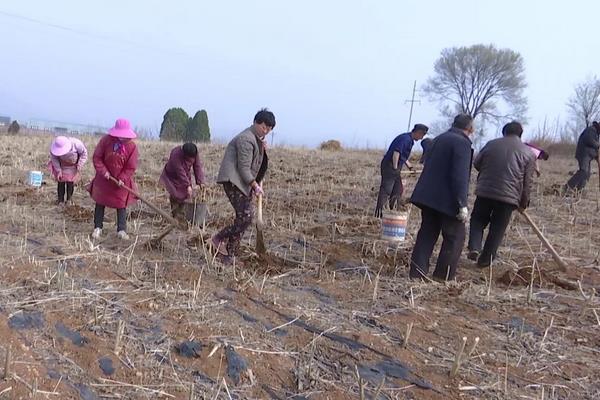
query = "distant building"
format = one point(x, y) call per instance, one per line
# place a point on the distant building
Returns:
point(64, 128)
point(4, 121)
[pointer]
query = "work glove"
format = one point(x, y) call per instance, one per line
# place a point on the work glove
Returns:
point(463, 215)
point(258, 191)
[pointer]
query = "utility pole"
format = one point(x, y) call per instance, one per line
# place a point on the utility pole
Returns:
point(412, 102)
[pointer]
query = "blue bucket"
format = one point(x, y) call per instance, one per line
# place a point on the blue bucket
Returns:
point(34, 178)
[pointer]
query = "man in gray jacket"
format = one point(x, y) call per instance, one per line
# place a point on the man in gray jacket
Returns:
point(587, 150)
point(241, 173)
point(506, 168)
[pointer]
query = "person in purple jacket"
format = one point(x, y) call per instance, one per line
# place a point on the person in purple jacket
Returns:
point(177, 176)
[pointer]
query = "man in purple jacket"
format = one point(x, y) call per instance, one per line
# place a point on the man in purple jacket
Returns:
point(391, 188)
point(177, 176)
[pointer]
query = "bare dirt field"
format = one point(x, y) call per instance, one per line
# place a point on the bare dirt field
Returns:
point(332, 315)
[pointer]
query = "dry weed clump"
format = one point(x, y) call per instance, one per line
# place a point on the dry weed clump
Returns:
point(331, 145)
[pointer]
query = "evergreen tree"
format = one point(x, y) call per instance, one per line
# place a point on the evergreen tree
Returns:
point(198, 129)
point(175, 125)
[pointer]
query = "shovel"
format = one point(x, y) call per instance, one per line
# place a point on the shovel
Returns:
point(174, 223)
point(196, 212)
point(598, 197)
point(261, 249)
point(562, 265)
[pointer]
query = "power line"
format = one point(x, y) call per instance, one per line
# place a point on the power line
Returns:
point(85, 33)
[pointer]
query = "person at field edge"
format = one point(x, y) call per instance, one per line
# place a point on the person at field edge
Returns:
point(441, 193)
point(242, 170)
point(116, 157)
point(586, 151)
point(395, 158)
point(506, 166)
point(68, 155)
point(176, 176)
point(539, 154)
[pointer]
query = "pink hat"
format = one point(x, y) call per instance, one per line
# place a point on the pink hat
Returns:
point(122, 129)
point(61, 145)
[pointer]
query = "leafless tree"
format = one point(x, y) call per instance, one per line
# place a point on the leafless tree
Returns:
point(584, 104)
point(480, 80)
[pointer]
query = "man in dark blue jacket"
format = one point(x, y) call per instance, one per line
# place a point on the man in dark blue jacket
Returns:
point(397, 155)
point(441, 194)
point(587, 150)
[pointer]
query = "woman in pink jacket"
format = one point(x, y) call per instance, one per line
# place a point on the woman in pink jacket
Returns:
point(67, 157)
point(115, 156)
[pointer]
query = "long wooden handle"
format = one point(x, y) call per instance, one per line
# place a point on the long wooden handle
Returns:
point(557, 258)
point(259, 213)
point(163, 214)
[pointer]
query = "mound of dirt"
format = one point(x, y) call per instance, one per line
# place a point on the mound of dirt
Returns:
point(522, 277)
point(78, 213)
point(331, 145)
point(553, 190)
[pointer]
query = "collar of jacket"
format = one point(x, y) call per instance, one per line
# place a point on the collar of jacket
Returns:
point(461, 132)
point(253, 130)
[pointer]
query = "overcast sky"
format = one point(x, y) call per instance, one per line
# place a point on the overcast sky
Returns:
point(328, 69)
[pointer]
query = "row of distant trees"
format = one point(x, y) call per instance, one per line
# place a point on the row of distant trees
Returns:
point(178, 126)
point(489, 83)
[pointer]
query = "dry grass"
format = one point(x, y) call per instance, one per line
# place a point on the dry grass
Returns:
point(331, 145)
point(334, 303)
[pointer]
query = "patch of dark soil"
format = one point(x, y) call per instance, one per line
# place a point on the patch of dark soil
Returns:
point(106, 365)
point(190, 349)
point(391, 369)
point(73, 336)
point(27, 320)
point(236, 365)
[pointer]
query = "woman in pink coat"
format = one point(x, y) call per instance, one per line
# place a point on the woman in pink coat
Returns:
point(67, 157)
point(177, 176)
point(115, 156)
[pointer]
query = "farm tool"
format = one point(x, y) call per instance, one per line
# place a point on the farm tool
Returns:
point(261, 249)
point(557, 258)
point(154, 242)
point(598, 196)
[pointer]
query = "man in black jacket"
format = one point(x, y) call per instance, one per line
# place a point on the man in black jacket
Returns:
point(587, 150)
point(506, 166)
point(441, 194)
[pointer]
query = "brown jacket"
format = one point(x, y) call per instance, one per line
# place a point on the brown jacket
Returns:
point(506, 169)
point(242, 160)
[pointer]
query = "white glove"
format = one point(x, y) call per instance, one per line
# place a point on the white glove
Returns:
point(463, 214)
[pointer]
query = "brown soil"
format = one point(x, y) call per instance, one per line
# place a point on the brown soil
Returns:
point(329, 297)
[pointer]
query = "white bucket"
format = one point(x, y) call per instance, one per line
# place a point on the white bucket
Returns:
point(393, 226)
point(34, 178)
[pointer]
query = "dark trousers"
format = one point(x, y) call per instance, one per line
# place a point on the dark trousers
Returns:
point(581, 177)
point(68, 187)
point(391, 188)
point(121, 218)
point(242, 205)
point(177, 208)
point(497, 215)
point(453, 233)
